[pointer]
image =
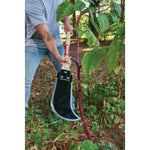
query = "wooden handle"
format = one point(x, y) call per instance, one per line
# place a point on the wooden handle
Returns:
point(68, 38)
point(67, 46)
point(67, 51)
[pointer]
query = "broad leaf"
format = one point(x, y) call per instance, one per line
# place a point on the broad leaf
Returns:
point(103, 21)
point(79, 31)
point(84, 85)
point(114, 55)
point(118, 8)
point(88, 145)
point(92, 9)
point(92, 40)
point(116, 71)
point(120, 32)
point(93, 22)
point(75, 147)
point(114, 16)
point(37, 139)
point(63, 10)
point(79, 5)
point(91, 1)
point(113, 27)
point(92, 59)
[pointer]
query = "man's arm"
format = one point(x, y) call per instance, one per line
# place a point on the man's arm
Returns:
point(67, 25)
point(50, 43)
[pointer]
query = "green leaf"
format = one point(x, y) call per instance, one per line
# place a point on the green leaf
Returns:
point(93, 22)
point(91, 13)
point(92, 40)
point(116, 120)
point(75, 147)
point(79, 31)
point(38, 141)
point(120, 33)
point(112, 59)
point(91, 1)
point(79, 5)
point(103, 21)
point(92, 59)
point(114, 16)
point(113, 27)
point(106, 148)
point(118, 8)
point(117, 69)
point(84, 85)
point(92, 109)
point(63, 10)
point(111, 116)
point(88, 145)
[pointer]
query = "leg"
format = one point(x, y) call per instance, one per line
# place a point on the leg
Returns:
point(33, 57)
point(58, 66)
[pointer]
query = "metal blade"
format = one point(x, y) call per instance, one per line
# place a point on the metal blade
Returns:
point(61, 101)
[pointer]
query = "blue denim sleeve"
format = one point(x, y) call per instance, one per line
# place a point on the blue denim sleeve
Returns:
point(35, 11)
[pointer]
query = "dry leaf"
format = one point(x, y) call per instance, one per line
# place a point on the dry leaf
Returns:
point(33, 148)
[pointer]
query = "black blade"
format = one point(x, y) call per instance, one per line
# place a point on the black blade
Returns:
point(62, 97)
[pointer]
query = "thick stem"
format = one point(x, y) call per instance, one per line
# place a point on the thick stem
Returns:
point(77, 48)
point(80, 105)
point(78, 37)
point(64, 146)
point(122, 11)
point(79, 85)
point(101, 10)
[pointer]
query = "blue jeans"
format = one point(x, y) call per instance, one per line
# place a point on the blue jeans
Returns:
point(33, 56)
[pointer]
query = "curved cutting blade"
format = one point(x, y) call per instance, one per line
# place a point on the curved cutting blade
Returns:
point(61, 101)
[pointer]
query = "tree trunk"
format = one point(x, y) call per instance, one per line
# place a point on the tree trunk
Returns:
point(122, 11)
point(90, 24)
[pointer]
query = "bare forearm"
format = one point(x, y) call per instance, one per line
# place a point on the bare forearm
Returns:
point(50, 43)
point(48, 40)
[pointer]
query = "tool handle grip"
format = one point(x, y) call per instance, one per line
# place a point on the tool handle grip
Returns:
point(67, 45)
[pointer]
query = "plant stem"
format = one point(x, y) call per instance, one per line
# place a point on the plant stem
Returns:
point(80, 105)
point(80, 98)
point(102, 10)
point(77, 48)
point(78, 37)
point(119, 87)
point(79, 84)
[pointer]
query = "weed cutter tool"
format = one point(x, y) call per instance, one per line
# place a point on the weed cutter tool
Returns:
point(61, 101)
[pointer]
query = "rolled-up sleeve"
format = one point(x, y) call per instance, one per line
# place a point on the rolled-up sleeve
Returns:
point(35, 12)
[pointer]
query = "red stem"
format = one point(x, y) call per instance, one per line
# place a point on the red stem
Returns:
point(77, 48)
point(80, 105)
point(79, 84)
point(64, 146)
point(78, 37)
point(101, 10)
point(122, 5)
point(92, 135)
